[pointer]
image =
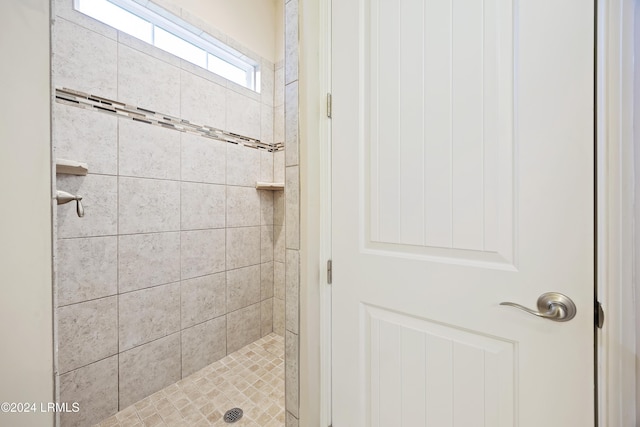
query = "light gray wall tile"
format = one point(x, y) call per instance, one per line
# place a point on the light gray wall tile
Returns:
point(148, 151)
point(161, 7)
point(243, 206)
point(278, 124)
point(278, 316)
point(100, 200)
point(147, 82)
point(243, 287)
point(87, 332)
point(278, 280)
point(266, 207)
point(88, 64)
point(243, 247)
point(203, 206)
point(148, 314)
point(291, 124)
point(267, 64)
point(202, 252)
point(266, 166)
point(244, 91)
point(86, 136)
point(266, 124)
point(266, 243)
point(243, 49)
point(243, 327)
point(203, 73)
point(203, 344)
point(291, 41)
point(149, 368)
point(266, 280)
point(148, 205)
point(87, 269)
point(243, 115)
point(203, 159)
point(278, 90)
point(291, 421)
point(292, 284)
point(64, 9)
point(278, 243)
point(278, 207)
point(292, 207)
point(267, 76)
point(278, 166)
point(95, 388)
point(291, 373)
point(202, 298)
point(148, 260)
point(266, 310)
point(148, 49)
point(243, 165)
point(202, 101)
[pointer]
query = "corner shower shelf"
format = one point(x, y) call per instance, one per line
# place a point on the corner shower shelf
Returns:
point(71, 167)
point(271, 186)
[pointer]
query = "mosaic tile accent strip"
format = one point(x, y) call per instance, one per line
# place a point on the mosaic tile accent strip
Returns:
point(96, 103)
point(250, 378)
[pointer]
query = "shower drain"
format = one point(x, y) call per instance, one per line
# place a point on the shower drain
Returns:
point(232, 415)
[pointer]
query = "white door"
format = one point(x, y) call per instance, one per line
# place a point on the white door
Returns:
point(462, 178)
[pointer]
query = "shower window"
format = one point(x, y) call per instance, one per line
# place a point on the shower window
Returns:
point(168, 32)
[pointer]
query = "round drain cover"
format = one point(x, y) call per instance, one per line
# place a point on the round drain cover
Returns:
point(232, 415)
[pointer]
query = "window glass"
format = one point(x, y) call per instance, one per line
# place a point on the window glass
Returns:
point(118, 18)
point(165, 32)
point(226, 70)
point(185, 50)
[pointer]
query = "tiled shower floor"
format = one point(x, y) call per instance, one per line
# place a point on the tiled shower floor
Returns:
point(252, 379)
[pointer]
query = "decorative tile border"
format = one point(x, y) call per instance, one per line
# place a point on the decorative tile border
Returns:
point(139, 114)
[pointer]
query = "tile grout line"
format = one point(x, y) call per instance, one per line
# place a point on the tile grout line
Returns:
point(118, 233)
point(180, 244)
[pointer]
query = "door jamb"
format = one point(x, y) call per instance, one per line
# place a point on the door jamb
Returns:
point(616, 344)
point(315, 212)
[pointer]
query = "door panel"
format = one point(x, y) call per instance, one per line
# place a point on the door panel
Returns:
point(423, 371)
point(462, 169)
point(440, 126)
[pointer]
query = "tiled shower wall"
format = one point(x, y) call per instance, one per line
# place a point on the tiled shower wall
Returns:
point(173, 265)
point(279, 206)
point(292, 217)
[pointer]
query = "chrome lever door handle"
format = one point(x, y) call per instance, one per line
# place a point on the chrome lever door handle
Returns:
point(551, 305)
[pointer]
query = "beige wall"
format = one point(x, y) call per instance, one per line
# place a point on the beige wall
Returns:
point(253, 23)
point(26, 361)
point(279, 31)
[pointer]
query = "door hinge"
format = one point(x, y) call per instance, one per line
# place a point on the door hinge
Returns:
point(598, 315)
point(329, 274)
point(329, 105)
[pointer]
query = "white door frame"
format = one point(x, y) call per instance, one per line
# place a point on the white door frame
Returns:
point(616, 341)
